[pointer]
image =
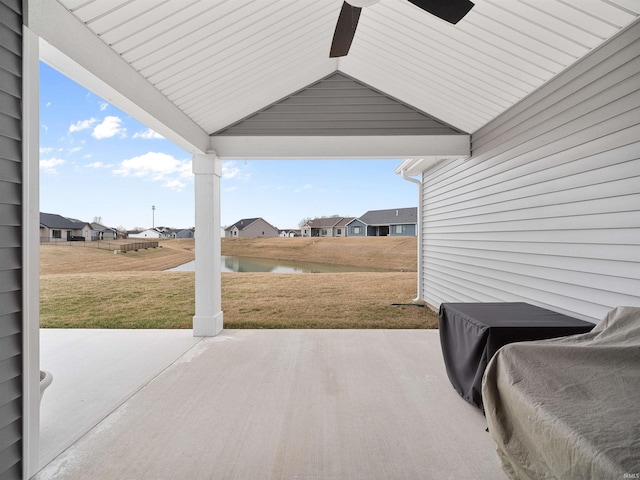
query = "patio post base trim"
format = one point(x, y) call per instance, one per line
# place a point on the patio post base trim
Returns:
point(207, 326)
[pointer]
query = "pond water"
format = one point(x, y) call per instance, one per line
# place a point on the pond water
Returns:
point(245, 264)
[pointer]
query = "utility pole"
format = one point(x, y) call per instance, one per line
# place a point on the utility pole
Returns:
point(153, 216)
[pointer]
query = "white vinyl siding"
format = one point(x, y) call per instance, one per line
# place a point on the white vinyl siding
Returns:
point(547, 209)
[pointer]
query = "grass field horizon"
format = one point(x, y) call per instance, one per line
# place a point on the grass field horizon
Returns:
point(86, 287)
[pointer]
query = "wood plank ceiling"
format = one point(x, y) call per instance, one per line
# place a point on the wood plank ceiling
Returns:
point(222, 60)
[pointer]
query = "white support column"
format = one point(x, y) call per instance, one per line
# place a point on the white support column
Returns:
point(207, 321)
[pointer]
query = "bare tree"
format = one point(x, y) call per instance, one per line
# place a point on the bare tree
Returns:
point(97, 220)
point(304, 221)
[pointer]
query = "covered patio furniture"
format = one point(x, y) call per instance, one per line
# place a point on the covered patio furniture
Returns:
point(567, 408)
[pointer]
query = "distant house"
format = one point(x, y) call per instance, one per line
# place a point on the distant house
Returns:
point(381, 223)
point(289, 233)
point(251, 227)
point(148, 233)
point(100, 232)
point(326, 227)
point(56, 228)
point(186, 233)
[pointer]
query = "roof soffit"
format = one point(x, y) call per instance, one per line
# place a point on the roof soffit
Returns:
point(216, 62)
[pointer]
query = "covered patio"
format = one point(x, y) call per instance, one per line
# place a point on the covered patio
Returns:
point(511, 82)
point(312, 404)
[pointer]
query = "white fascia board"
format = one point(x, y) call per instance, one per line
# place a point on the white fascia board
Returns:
point(417, 166)
point(339, 147)
point(67, 45)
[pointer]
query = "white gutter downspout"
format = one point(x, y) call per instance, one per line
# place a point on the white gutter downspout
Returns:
point(404, 175)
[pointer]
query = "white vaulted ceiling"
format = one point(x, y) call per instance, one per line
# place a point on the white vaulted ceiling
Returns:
point(219, 61)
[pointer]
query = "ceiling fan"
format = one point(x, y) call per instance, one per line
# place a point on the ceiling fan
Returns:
point(451, 11)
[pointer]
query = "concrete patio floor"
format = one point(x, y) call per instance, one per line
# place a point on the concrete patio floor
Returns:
point(261, 404)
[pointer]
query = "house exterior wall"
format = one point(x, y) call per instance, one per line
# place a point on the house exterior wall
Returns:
point(11, 214)
point(146, 234)
point(547, 209)
point(356, 229)
point(408, 230)
point(259, 228)
point(233, 233)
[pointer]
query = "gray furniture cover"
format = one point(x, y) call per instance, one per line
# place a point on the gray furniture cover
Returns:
point(569, 408)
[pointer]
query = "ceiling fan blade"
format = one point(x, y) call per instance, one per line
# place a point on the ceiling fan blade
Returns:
point(450, 10)
point(345, 30)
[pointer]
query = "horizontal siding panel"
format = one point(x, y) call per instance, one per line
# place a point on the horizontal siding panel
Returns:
point(10, 259)
point(532, 290)
point(392, 110)
point(10, 105)
point(10, 127)
point(10, 345)
point(10, 379)
point(505, 212)
point(10, 236)
point(10, 301)
point(10, 193)
point(10, 83)
point(9, 40)
point(596, 266)
point(10, 412)
point(10, 171)
point(11, 214)
point(10, 62)
point(618, 220)
point(10, 458)
point(10, 434)
point(613, 150)
point(10, 149)
point(622, 286)
point(450, 285)
point(597, 251)
point(514, 199)
point(11, 323)
point(626, 236)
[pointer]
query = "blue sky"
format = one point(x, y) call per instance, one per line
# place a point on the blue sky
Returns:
point(97, 161)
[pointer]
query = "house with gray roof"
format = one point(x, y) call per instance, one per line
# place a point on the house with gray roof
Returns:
point(56, 228)
point(251, 227)
point(100, 232)
point(394, 222)
point(326, 227)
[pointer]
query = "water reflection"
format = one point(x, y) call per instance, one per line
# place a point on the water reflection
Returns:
point(245, 264)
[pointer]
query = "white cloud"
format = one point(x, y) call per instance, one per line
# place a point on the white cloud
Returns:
point(74, 150)
point(103, 106)
point(48, 104)
point(148, 134)
point(231, 170)
point(174, 184)
point(46, 149)
point(49, 165)
point(231, 189)
point(304, 187)
point(82, 125)
point(98, 165)
point(157, 167)
point(109, 127)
